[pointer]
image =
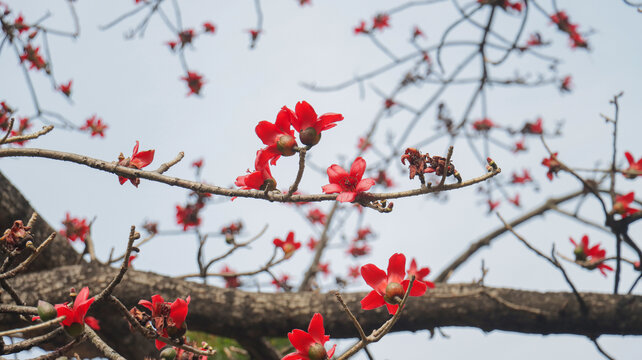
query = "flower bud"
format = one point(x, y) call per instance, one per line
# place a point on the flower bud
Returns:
point(46, 311)
point(268, 184)
point(394, 293)
point(75, 329)
point(317, 352)
point(285, 144)
point(168, 353)
point(175, 332)
point(310, 136)
point(579, 253)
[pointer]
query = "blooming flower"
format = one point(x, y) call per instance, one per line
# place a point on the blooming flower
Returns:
point(633, 166)
point(417, 32)
point(194, 82)
point(75, 228)
point(622, 202)
point(259, 179)
point(533, 128)
point(23, 126)
point(188, 215)
point(358, 250)
point(289, 246)
point(348, 185)
point(361, 29)
point(76, 318)
point(312, 243)
point(19, 24)
point(168, 318)
point(305, 120)
point(282, 282)
point(419, 274)
point(484, 124)
point(591, 254)
point(198, 163)
point(186, 36)
point(310, 345)
point(519, 146)
point(230, 281)
point(534, 39)
point(381, 21)
point(316, 216)
point(383, 179)
point(278, 137)
point(353, 272)
point(389, 288)
point(95, 125)
point(65, 88)
point(515, 200)
point(363, 233)
point(33, 56)
point(565, 84)
point(363, 144)
point(523, 179)
point(208, 27)
point(324, 268)
point(138, 160)
point(492, 205)
point(553, 166)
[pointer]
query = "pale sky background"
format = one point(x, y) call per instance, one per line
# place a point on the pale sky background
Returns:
point(134, 86)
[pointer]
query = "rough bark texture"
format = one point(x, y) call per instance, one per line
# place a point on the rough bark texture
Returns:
point(240, 314)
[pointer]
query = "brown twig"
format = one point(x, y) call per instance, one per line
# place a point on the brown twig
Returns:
point(133, 235)
point(23, 265)
point(35, 135)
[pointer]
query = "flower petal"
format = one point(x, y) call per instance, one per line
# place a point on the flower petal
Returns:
point(64, 310)
point(358, 168)
point(81, 297)
point(159, 344)
point(336, 174)
point(372, 301)
point(294, 356)
point(396, 268)
point(364, 185)
point(392, 309)
point(267, 132)
point(301, 340)
point(374, 277)
point(284, 118)
point(418, 287)
point(629, 158)
point(346, 196)
point(178, 312)
point(92, 322)
point(306, 115)
point(327, 120)
point(331, 189)
point(142, 159)
point(316, 330)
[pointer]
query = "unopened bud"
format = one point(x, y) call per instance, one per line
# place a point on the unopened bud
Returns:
point(317, 352)
point(46, 311)
point(75, 329)
point(168, 353)
point(310, 136)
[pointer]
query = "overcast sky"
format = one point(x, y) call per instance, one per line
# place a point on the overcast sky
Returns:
point(134, 86)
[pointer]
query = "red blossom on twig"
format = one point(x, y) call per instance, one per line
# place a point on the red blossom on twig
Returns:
point(194, 82)
point(95, 125)
point(138, 160)
point(348, 185)
point(633, 166)
point(622, 204)
point(75, 228)
point(553, 165)
point(168, 318)
point(310, 345)
point(591, 254)
point(289, 246)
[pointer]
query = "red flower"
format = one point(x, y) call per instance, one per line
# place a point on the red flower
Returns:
point(33, 56)
point(353, 271)
point(389, 103)
point(282, 282)
point(76, 314)
point(622, 202)
point(167, 316)
point(16, 236)
point(419, 274)
point(525, 178)
point(553, 166)
point(633, 166)
point(278, 137)
point(363, 144)
point(75, 228)
point(519, 146)
point(194, 82)
point(492, 205)
point(305, 120)
point(348, 185)
point(592, 254)
point(65, 89)
point(254, 36)
point(566, 84)
point(259, 179)
point(138, 161)
point(23, 126)
point(209, 27)
point(95, 125)
point(230, 281)
point(20, 25)
point(515, 200)
point(172, 44)
point(535, 39)
point(533, 128)
point(356, 250)
point(305, 2)
point(363, 233)
point(310, 345)
point(484, 124)
point(417, 32)
point(289, 246)
point(186, 36)
point(380, 21)
point(324, 268)
point(312, 243)
point(188, 215)
point(361, 29)
point(198, 163)
point(316, 216)
point(388, 288)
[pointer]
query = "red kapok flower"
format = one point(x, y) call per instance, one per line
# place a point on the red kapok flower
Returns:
point(278, 137)
point(16, 236)
point(420, 274)
point(358, 250)
point(622, 202)
point(230, 281)
point(65, 88)
point(324, 268)
point(33, 56)
point(19, 24)
point(23, 126)
point(168, 318)
point(194, 82)
point(310, 345)
point(591, 254)
point(188, 215)
point(389, 288)
point(186, 36)
point(289, 246)
point(523, 179)
point(484, 124)
point(381, 21)
point(75, 228)
point(282, 282)
point(565, 84)
point(534, 39)
point(361, 29)
point(95, 125)
point(312, 243)
point(305, 120)
point(259, 179)
point(515, 200)
point(138, 161)
point(208, 27)
point(633, 166)
point(533, 128)
point(198, 163)
point(417, 32)
point(363, 144)
point(553, 166)
point(353, 271)
point(363, 233)
point(492, 205)
point(348, 185)
point(519, 146)
point(316, 216)
point(75, 320)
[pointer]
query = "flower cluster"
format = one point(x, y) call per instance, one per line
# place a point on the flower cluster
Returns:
point(419, 164)
point(379, 22)
point(230, 281)
point(188, 216)
point(590, 257)
point(75, 228)
point(16, 236)
point(521, 179)
point(138, 160)
point(5, 113)
point(358, 245)
point(95, 125)
point(563, 24)
point(36, 61)
point(194, 82)
point(167, 318)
